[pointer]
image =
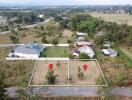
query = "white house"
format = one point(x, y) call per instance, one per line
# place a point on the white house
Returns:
point(101, 33)
point(80, 39)
point(41, 16)
point(107, 44)
point(110, 52)
point(81, 34)
point(88, 50)
point(30, 50)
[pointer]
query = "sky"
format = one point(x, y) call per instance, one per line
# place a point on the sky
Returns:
point(65, 2)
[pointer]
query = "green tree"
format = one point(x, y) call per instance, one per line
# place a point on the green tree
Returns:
point(50, 77)
point(55, 41)
point(14, 39)
point(98, 39)
point(43, 40)
point(42, 28)
point(83, 56)
point(80, 73)
point(69, 41)
point(2, 89)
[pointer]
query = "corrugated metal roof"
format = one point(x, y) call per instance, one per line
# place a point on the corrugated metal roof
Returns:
point(88, 50)
point(30, 48)
point(81, 34)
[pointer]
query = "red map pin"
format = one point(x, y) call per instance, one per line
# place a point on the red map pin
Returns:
point(85, 67)
point(50, 66)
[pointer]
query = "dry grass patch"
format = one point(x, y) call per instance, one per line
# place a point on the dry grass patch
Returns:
point(119, 18)
point(15, 73)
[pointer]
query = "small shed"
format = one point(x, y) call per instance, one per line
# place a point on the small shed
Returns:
point(100, 33)
point(88, 50)
point(106, 44)
point(81, 34)
point(110, 52)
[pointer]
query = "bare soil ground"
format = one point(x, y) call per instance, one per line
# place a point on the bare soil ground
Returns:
point(90, 75)
point(67, 33)
point(42, 69)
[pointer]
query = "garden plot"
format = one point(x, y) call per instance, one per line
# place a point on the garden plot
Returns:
point(85, 72)
point(60, 69)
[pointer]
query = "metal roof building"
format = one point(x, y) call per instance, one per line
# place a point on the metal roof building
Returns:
point(28, 50)
point(88, 50)
point(110, 52)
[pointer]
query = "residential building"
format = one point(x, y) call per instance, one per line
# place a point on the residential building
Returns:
point(110, 52)
point(106, 44)
point(80, 39)
point(81, 34)
point(30, 50)
point(88, 50)
point(83, 43)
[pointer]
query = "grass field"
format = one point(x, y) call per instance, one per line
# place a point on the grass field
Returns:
point(55, 52)
point(119, 18)
point(15, 73)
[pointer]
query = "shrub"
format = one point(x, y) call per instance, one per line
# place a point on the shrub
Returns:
point(83, 56)
point(80, 73)
point(55, 42)
point(50, 77)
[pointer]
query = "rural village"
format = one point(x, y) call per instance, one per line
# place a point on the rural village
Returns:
point(66, 48)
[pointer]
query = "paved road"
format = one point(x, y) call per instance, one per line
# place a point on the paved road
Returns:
point(29, 26)
point(6, 32)
point(69, 91)
point(48, 45)
point(9, 45)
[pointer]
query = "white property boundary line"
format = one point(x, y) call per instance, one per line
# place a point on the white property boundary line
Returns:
point(68, 84)
point(32, 73)
point(48, 58)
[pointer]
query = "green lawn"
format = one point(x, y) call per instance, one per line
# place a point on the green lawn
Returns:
point(55, 52)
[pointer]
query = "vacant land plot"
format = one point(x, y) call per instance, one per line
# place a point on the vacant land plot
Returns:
point(127, 50)
point(55, 52)
point(126, 54)
point(24, 36)
point(90, 75)
point(67, 33)
point(60, 69)
point(119, 18)
point(16, 73)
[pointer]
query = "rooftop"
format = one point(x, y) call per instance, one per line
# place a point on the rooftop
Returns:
point(30, 48)
point(81, 34)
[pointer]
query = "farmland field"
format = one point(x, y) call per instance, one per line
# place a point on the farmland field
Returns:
point(119, 18)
